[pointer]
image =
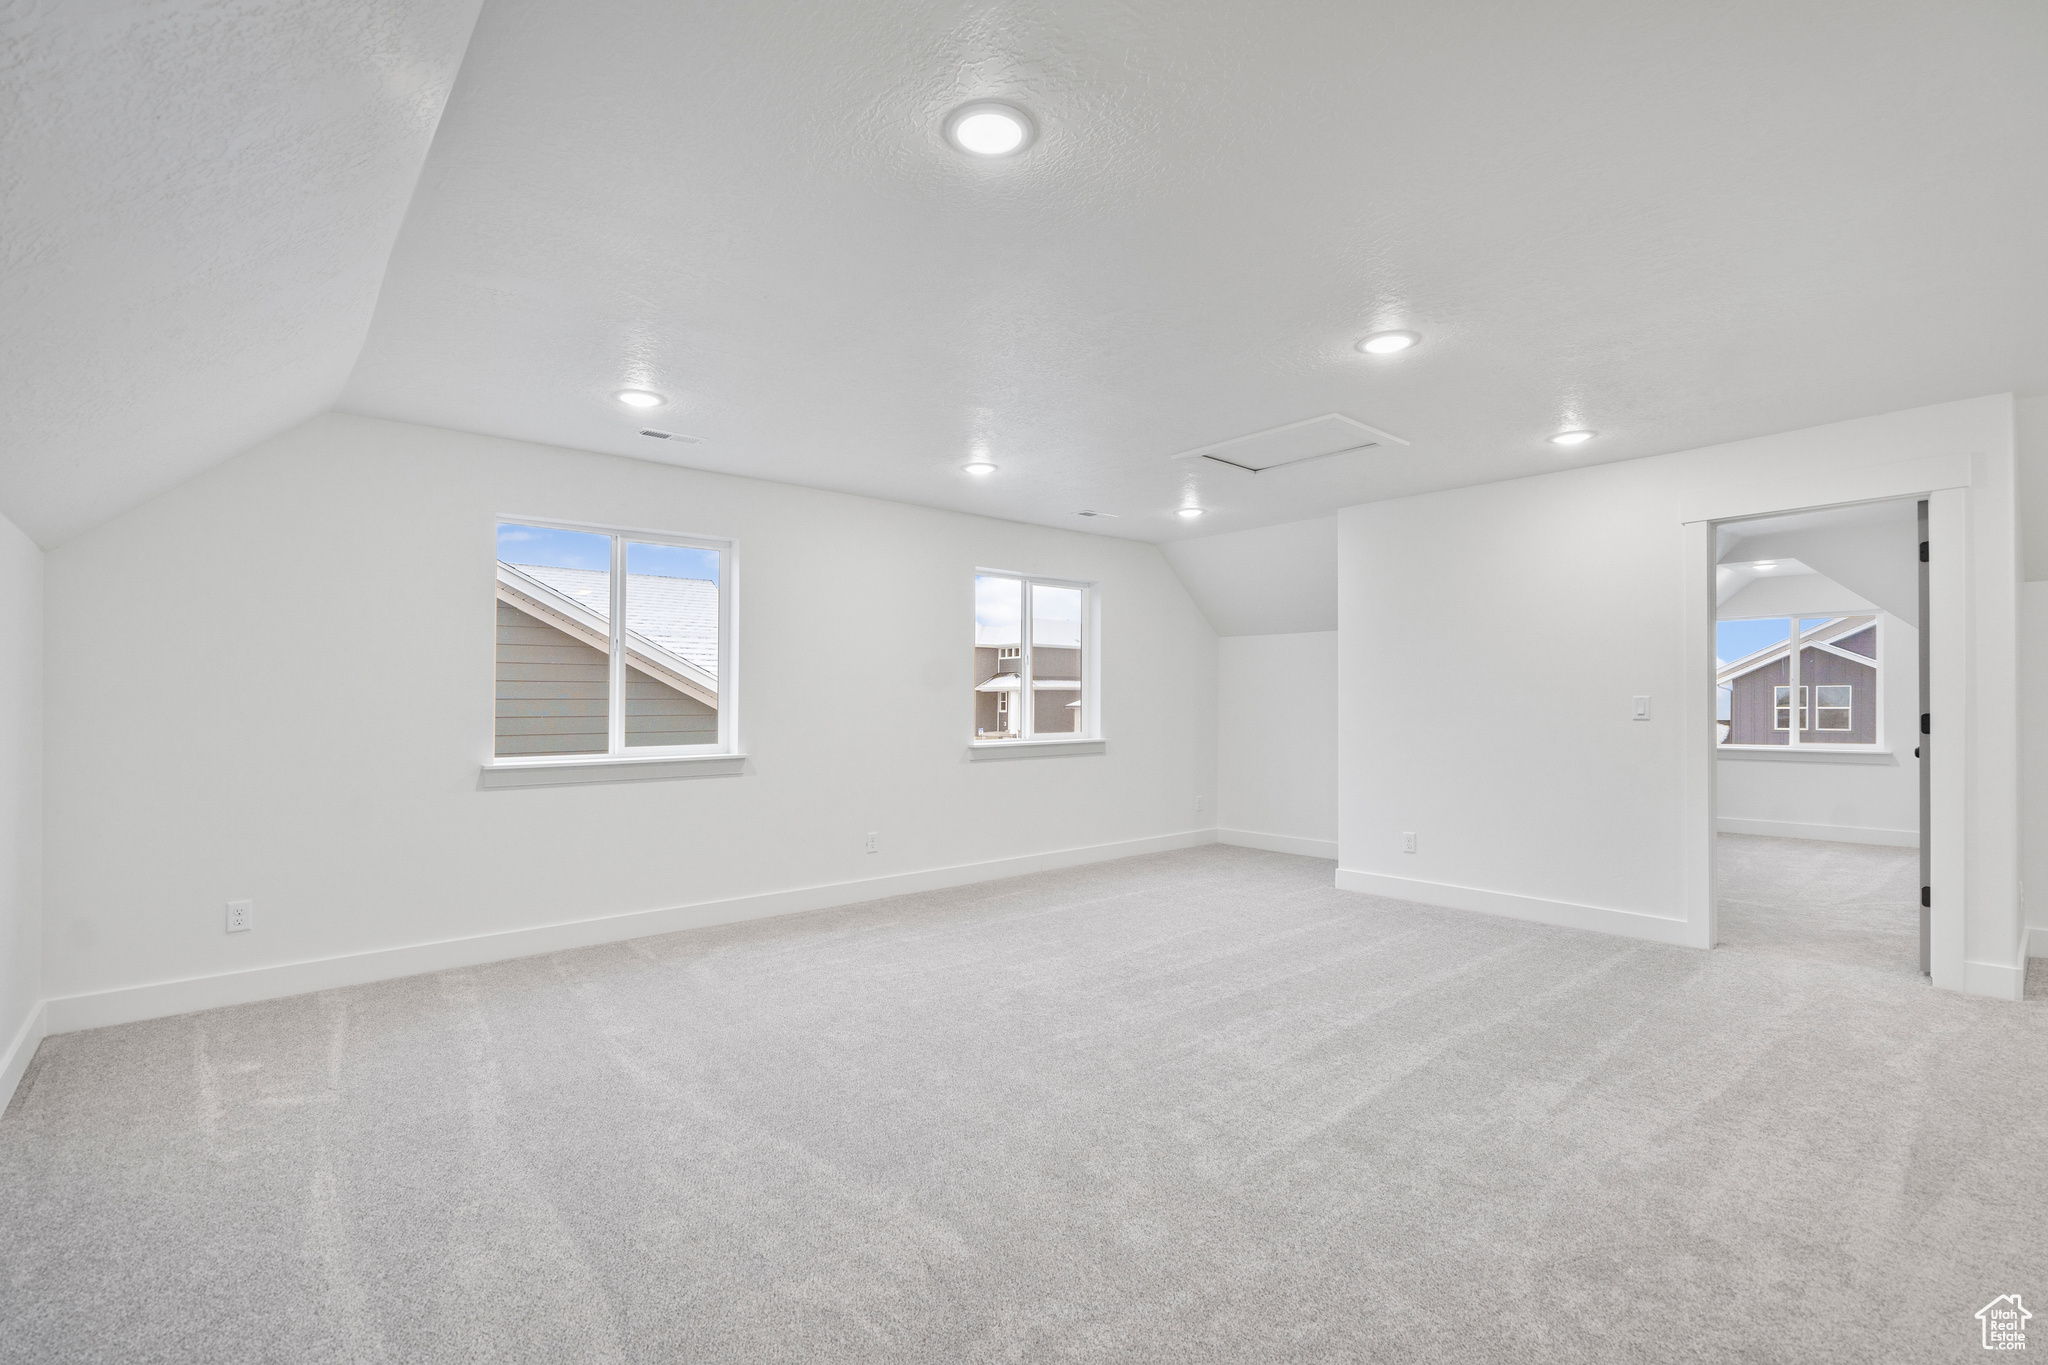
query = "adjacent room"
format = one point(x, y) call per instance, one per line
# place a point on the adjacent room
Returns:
point(1046, 682)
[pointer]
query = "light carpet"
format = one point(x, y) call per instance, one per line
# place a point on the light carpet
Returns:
point(1856, 904)
point(1191, 1107)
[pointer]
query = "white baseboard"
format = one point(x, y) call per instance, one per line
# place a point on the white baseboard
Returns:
point(21, 1050)
point(2033, 942)
point(1279, 843)
point(1838, 834)
point(64, 1014)
point(1570, 915)
point(2000, 981)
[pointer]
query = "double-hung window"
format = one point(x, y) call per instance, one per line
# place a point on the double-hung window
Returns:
point(1033, 659)
point(611, 644)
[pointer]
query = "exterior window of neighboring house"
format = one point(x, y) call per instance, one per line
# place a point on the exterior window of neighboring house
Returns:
point(611, 643)
point(1799, 680)
point(1032, 662)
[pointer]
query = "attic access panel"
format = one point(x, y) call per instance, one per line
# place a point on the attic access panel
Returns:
point(1296, 443)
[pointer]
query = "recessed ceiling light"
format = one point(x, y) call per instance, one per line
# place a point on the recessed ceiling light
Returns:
point(639, 398)
point(1386, 343)
point(979, 468)
point(1191, 512)
point(987, 129)
point(1572, 438)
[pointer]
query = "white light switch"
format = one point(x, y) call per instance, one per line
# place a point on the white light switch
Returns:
point(1642, 708)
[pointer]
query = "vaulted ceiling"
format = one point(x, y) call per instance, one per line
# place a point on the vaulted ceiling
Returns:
point(1675, 225)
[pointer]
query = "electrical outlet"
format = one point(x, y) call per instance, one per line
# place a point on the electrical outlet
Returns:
point(1407, 841)
point(874, 844)
point(1199, 807)
point(241, 916)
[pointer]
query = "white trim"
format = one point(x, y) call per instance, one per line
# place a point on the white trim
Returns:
point(1509, 905)
point(160, 998)
point(1024, 715)
point(1738, 498)
point(22, 1050)
point(1808, 753)
point(1279, 843)
point(2000, 981)
point(2033, 942)
point(1835, 834)
point(1033, 748)
point(557, 771)
point(723, 688)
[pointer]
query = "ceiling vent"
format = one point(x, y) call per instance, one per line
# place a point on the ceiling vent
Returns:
point(1315, 438)
point(1085, 513)
point(671, 436)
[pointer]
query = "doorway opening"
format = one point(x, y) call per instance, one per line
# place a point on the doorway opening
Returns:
point(1821, 802)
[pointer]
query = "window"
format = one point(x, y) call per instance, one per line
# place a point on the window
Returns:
point(1799, 680)
point(611, 643)
point(1833, 704)
point(1031, 659)
point(1781, 702)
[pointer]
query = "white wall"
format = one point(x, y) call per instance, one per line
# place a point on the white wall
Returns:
point(21, 801)
point(1868, 799)
point(2031, 438)
point(275, 682)
point(1491, 638)
point(1276, 742)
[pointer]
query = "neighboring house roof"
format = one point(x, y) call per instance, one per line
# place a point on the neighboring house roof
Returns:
point(679, 614)
point(1821, 635)
point(671, 623)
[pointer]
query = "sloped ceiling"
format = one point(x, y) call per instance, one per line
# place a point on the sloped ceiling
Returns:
point(1271, 580)
point(197, 202)
point(1674, 224)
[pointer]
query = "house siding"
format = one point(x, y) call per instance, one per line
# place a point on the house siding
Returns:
point(1817, 668)
point(1749, 710)
point(552, 696)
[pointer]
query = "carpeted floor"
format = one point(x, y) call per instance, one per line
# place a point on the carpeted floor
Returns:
point(1854, 904)
point(1196, 1107)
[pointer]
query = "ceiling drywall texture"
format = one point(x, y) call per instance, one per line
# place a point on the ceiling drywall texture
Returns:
point(1674, 224)
point(1271, 580)
point(197, 202)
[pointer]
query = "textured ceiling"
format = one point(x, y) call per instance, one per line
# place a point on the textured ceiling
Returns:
point(1676, 224)
point(197, 202)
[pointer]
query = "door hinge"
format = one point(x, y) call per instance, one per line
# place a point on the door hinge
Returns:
point(1926, 896)
point(1924, 717)
point(1923, 552)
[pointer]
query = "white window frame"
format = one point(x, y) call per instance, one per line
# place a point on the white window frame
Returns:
point(1792, 741)
point(1848, 711)
point(641, 760)
point(1089, 736)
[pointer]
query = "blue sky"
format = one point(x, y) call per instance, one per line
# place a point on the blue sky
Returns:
point(1737, 639)
point(587, 550)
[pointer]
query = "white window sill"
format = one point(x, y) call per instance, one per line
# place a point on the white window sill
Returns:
point(1033, 748)
point(1809, 753)
point(568, 771)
